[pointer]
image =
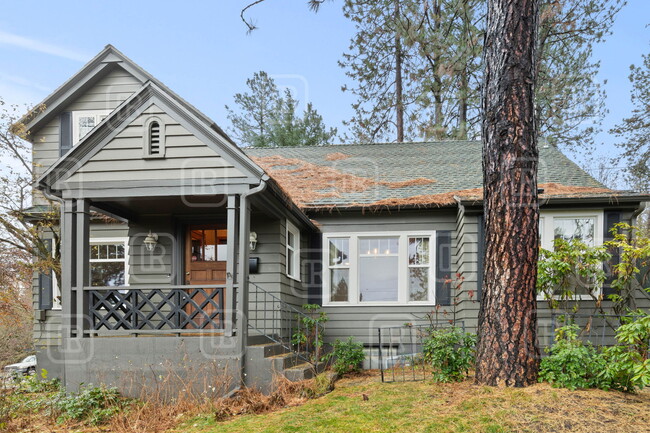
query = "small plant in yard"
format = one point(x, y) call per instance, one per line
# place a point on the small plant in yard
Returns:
point(309, 335)
point(450, 351)
point(626, 365)
point(348, 356)
point(94, 405)
point(34, 384)
point(571, 363)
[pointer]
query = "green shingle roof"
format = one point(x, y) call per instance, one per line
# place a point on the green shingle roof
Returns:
point(451, 165)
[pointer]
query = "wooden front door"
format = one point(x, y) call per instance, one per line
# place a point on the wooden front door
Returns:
point(205, 264)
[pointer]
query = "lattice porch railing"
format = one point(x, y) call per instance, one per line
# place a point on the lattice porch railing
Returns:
point(171, 308)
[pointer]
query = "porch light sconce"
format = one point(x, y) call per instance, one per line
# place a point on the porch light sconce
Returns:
point(253, 241)
point(151, 241)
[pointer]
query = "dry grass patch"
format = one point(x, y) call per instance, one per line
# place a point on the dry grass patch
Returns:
point(432, 407)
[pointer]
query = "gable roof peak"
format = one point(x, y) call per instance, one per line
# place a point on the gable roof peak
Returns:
point(100, 65)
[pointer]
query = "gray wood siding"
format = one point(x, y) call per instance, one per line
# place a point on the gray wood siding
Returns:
point(106, 94)
point(186, 157)
point(152, 267)
point(466, 264)
point(48, 332)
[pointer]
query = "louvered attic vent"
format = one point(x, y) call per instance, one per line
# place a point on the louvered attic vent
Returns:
point(154, 138)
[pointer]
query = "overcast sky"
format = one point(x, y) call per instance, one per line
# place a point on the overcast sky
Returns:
point(202, 51)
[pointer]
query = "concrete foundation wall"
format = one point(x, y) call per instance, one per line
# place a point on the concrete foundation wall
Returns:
point(144, 365)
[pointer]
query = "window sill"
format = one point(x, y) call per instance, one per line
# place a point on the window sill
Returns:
point(291, 277)
point(380, 304)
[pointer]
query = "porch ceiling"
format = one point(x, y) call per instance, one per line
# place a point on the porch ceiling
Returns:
point(132, 207)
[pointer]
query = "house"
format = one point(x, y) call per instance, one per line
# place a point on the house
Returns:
point(179, 247)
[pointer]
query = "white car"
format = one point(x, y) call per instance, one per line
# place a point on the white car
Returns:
point(26, 366)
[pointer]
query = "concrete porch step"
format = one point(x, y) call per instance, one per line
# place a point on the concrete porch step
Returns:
point(285, 361)
point(266, 359)
point(267, 350)
point(303, 371)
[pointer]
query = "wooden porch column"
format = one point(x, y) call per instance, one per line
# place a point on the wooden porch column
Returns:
point(68, 267)
point(81, 258)
point(232, 230)
point(242, 272)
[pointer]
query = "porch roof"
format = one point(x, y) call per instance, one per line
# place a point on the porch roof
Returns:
point(420, 174)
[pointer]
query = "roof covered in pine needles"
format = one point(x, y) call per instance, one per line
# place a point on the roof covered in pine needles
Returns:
point(422, 174)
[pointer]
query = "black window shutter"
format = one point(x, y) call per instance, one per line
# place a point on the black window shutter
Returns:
point(443, 267)
point(480, 258)
point(315, 268)
point(65, 133)
point(611, 219)
point(45, 294)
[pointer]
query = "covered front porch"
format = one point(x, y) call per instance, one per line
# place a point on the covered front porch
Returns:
point(187, 264)
point(185, 287)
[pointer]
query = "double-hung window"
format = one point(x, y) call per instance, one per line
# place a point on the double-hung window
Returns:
point(378, 268)
point(293, 251)
point(109, 265)
point(586, 226)
point(84, 121)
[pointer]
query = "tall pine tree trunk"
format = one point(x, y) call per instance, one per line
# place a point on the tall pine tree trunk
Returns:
point(439, 129)
point(399, 97)
point(462, 105)
point(507, 352)
point(463, 73)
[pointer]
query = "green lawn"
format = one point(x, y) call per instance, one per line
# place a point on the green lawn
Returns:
point(429, 407)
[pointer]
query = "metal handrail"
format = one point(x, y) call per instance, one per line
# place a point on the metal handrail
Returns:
point(279, 321)
point(157, 287)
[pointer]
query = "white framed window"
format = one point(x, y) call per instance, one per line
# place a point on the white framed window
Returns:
point(587, 226)
point(293, 251)
point(84, 121)
point(109, 262)
point(584, 225)
point(379, 268)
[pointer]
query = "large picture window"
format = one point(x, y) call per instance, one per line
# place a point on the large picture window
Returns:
point(378, 268)
point(109, 262)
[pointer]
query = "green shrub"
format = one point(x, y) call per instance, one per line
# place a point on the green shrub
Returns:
point(627, 367)
point(348, 356)
point(308, 337)
point(450, 351)
point(571, 363)
point(94, 405)
point(34, 384)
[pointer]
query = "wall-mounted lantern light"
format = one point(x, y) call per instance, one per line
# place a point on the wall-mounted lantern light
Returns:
point(253, 241)
point(151, 241)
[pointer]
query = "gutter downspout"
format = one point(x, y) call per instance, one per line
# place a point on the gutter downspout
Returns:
point(242, 274)
point(642, 206)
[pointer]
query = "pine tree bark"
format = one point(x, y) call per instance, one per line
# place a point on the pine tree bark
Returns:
point(399, 97)
point(462, 105)
point(439, 127)
point(507, 352)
